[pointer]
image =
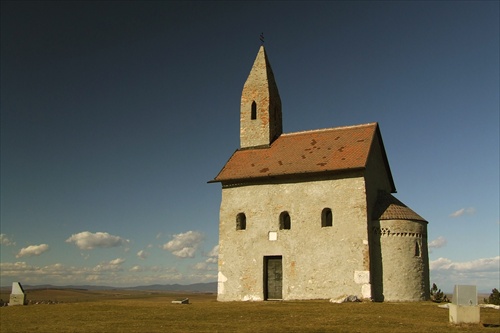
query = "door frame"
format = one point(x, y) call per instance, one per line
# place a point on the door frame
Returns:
point(266, 280)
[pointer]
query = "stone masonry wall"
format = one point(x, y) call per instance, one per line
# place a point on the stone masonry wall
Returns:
point(404, 268)
point(318, 262)
point(376, 179)
point(375, 175)
point(260, 88)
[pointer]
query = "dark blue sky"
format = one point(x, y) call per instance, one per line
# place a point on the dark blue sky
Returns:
point(114, 115)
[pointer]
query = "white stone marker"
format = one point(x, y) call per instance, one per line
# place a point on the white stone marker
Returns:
point(463, 307)
point(181, 301)
point(17, 295)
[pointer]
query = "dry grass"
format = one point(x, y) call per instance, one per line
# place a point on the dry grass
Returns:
point(122, 311)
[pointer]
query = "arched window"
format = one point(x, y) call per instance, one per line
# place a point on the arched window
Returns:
point(326, 218)
point(254, 111)
point(241, 221)
point(417, 249)
point(285, 222)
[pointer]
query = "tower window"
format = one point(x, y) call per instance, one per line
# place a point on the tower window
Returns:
point(241, 221)
point(285, 222)
point(417, 249)
point(326, 218)
point(254, 111)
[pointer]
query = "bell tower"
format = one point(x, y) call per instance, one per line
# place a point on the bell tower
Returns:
point(260, 115)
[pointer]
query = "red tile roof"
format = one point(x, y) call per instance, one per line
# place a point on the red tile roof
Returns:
point(390, 208)
point(317, 151)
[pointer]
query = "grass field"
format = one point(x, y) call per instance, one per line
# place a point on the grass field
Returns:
point(136, 311)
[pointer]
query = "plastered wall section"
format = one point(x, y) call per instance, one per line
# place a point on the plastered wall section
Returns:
point(376, 179)
point(318, 262)
point(376, 175)
point(405, 274)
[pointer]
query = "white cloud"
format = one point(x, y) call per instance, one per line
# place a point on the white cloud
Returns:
point(201, 266)
point(208, 264)
point(438, 242)
point(185, 252)
point(19, 268)
point(117, 261)
point(50, 274)
point(113, 265)
point(184, 245)
point(105, 274)
point(142, 254)
point(87, 241)
point(202, 276)
point(484, 273)
point(212, 255)
point(484, 264)
point(32, 250)
point(135, 268)
point(204, 266)
point(214, 252)
point(4, 240)
point(463, 211)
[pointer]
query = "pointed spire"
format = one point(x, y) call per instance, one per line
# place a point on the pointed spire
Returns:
point(260, 116)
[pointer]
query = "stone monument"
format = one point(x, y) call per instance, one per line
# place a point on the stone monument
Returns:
point(17, 295)
point(463, 307)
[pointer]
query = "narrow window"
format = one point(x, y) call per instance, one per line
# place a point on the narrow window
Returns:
point(417, 250)
point(326, 218)
point(241, 221)
point(285, 222)
point(254, 111)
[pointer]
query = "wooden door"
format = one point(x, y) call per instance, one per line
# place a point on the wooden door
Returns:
point(273, 278)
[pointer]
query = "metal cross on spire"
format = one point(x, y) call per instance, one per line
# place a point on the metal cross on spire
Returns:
point(261, 38)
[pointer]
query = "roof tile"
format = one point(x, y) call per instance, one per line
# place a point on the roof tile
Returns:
point(326, 150)
point(390, 208)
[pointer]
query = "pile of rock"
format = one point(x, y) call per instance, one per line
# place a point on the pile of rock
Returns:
point(35, 302)
point(345, 299)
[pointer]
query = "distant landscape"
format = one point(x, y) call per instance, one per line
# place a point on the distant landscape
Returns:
point(210, 287)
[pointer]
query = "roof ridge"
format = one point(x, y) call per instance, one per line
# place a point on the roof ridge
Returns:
point(329, 129)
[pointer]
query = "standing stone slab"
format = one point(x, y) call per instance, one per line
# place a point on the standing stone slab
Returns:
point(464, 308)
point(17, 295)
point(464, 295)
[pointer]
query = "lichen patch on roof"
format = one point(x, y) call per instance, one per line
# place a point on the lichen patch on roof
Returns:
point(325, 150)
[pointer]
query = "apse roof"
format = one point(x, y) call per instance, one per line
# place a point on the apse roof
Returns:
point(390, 208)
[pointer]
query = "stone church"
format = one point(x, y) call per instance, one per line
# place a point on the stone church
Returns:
point(310, 215)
